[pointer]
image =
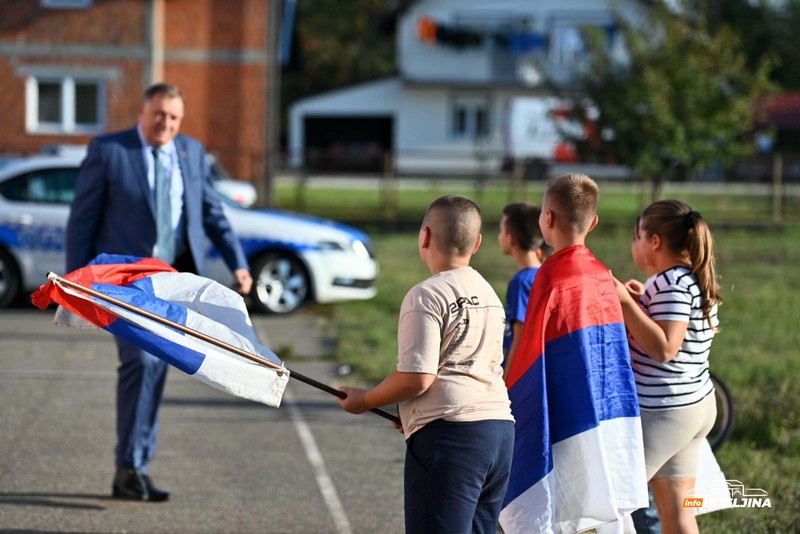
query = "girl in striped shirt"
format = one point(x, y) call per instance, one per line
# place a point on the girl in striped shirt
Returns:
point(671, 321)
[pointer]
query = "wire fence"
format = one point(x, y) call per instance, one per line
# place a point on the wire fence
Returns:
point(770, 197)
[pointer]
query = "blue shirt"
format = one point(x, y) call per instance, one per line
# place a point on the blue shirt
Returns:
point(519, 289)
point(169, 160)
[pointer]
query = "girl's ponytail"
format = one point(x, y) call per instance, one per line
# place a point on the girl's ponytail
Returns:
point(685, 232)
point(700, 246)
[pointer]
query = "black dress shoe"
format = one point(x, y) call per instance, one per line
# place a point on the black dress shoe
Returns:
point(132, 484)
point(129, 484)
point(155, 494)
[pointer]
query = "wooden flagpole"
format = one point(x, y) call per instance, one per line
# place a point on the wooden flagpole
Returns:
point(199, 335)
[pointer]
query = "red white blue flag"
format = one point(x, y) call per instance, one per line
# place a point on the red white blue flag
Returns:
point(182, 298)
point(578, 457)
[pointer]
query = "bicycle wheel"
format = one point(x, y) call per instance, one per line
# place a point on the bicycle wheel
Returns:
point(725, 414)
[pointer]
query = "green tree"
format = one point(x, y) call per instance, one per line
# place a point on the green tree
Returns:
point(338, 44)
point(767, 29)
point(681, 100)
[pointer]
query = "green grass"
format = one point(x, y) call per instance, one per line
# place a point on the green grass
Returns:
point(619, 202)
point(757, 352)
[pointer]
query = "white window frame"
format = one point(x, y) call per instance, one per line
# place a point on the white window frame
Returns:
point(67, 123)
point(471, 104)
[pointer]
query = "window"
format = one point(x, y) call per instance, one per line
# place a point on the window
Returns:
point(64, 105)
point(46, 186)
point(470, 117)
point(566, 45)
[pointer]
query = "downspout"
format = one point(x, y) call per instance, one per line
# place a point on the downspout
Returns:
point(154, 65)
point(273, 108)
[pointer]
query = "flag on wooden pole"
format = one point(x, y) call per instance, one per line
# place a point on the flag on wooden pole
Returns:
point(140, 291)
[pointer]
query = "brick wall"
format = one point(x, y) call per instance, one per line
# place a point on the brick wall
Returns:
point(106, 22)
point(214, 50)
point(67, 38)
point(226, 95)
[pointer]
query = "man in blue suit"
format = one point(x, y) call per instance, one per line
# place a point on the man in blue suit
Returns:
point(146, 192)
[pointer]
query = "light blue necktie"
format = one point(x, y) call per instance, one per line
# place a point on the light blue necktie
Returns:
point(165, 233)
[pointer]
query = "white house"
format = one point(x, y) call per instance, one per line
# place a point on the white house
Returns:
point(462, 66)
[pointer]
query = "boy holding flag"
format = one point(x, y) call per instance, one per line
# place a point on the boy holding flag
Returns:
point(453, 404)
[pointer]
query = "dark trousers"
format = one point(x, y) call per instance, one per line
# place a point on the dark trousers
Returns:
point(140, 386)
point(456, 476)
point(645, 520)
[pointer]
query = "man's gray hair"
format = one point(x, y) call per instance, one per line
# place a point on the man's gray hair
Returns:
point(165, 89)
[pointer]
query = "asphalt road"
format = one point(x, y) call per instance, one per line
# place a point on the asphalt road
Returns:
point(231, 465)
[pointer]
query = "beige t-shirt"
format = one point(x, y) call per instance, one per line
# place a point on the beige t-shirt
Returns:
point(451, 325)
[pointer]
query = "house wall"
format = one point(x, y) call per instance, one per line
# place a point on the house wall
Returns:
point(107, 40)
point(422, 129)
point(420, 61)
point(214, 50)
point(431, 62)
point(379, 98)
point(434, 78)
point(426, 142)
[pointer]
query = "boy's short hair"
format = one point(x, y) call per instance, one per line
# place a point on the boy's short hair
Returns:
point(522, 222)
point(456, 224)
point(575, 197)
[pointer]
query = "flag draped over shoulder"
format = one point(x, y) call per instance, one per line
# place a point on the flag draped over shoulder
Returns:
point(578, 457)
point(183, 298)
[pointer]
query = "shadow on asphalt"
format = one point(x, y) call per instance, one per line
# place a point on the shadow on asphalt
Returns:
point(313, 411)
point(52, 500)
point(234, 403)
point(210, 403)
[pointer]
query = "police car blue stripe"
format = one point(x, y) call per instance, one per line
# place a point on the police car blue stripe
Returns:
point(353, 232)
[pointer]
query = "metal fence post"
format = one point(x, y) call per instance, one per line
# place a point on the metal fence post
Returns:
point(300, 187)
point(777, 188)
point(389, 193)
point(517, 191)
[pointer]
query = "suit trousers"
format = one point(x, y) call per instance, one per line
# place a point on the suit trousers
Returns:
point(140, 386)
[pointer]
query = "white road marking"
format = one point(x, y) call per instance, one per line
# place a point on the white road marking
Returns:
point(314, 456)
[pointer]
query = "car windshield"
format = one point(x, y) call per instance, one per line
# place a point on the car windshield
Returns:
point(218, 172)
point(44, 186)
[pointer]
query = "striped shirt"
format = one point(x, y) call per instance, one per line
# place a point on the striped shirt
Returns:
point(674, 295)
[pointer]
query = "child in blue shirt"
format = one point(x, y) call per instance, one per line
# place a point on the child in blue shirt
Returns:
point(520, 238)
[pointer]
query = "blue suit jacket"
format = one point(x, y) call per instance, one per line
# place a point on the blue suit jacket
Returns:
point(113, 208)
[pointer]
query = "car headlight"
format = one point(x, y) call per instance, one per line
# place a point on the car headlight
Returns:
point(331, 245)
point(358, 247)
point(361, 249)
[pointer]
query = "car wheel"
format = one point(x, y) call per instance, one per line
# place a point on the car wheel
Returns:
point(9, 279)
point(281, 283)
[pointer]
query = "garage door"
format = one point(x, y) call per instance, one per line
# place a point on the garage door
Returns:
point(347, 143)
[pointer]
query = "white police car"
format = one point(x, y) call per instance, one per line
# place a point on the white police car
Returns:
point(293, 257)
